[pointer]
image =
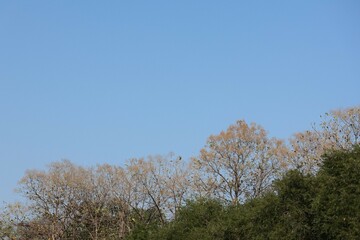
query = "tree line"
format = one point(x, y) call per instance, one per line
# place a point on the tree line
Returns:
point(242, 185)
point(299, 206)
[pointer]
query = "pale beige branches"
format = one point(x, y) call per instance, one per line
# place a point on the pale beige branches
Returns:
point(339, 129)
point(53, 195)
point(103, 202)
point(306, 151)
point(14, 221)
point(159, 183)
point(238, 164)
point(102, 214)
point(117, 200)
point(71, 202)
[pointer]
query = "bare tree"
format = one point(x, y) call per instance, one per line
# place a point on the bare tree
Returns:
point(239, 163)
point(159, 182)
point(53, 195)
point(71, 202)
point(339, 129)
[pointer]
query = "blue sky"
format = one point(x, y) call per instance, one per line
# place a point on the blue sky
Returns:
point(103, 82)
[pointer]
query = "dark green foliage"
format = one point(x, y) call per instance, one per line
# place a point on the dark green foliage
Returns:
point(287, 213)
point(141, 232)
point(143, 224)
point(197, 220)
point(338, 201)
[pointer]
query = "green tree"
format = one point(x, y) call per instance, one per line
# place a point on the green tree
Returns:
point(293, 214)
point(201, 219)
point(338, 202)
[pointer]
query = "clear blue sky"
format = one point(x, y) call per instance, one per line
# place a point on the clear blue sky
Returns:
point(104, 81)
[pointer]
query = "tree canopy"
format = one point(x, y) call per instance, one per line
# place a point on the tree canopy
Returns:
point(242, 185)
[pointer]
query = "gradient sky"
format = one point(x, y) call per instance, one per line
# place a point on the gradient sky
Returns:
point(104, 81)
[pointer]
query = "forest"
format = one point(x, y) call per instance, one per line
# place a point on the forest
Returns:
point(242, 185)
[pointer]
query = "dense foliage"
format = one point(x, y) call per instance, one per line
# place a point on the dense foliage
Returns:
point(243, 185)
